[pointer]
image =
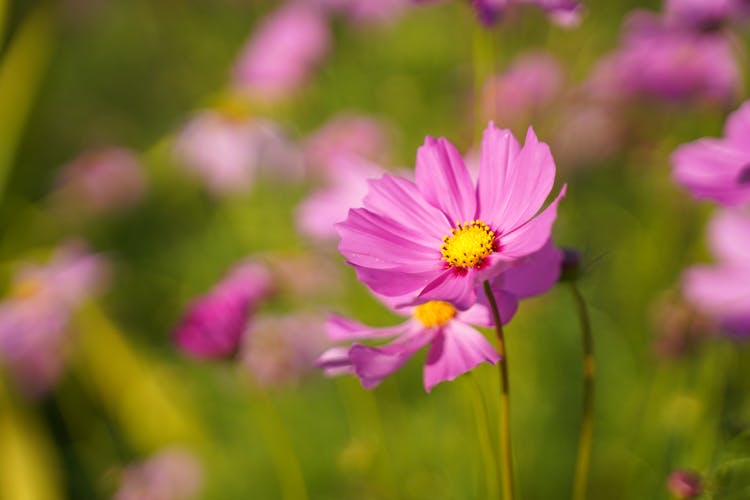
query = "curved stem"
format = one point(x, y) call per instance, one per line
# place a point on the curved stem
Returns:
point(506, 457)
point(587, 422)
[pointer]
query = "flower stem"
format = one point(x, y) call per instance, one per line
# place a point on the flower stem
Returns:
point(584, 443)
point(506, 457)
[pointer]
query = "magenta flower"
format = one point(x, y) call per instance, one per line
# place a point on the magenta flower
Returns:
point(283, 51)
point(684, 484)
point(723, 290)
point(102, 180)
point(35, 318)
point(171, 474)
point(563, 12)
point(704, 15)
point(318, 213)
point(436, 238)
point(227, 153)
point(214, 324)
point(455, 346)
point(531, 83)
point(718, 169)
point(661, 61)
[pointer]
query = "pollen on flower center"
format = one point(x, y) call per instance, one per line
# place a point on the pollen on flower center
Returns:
point(468, 244)
point(434, 313)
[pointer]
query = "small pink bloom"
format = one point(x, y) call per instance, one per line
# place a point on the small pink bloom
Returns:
point(656, 60)
point(318, 213)
point(283, 51)
point(723, 290)
point(704, 15)
point(436, 238)
point(34, 319)
point(345, 135)
point(531, 84)
point(213, 326)
point(280, 350)
point(718, 169)
point(565, 13)
point(102, 180)
point(683, 484)
point(455, 346)
point(171, 474)
point(226, 153)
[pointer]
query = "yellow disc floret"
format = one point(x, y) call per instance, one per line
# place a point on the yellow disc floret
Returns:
point(434, 313)
point(468, 244)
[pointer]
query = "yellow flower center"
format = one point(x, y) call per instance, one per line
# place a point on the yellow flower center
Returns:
point(468, 244)
point(434, 313)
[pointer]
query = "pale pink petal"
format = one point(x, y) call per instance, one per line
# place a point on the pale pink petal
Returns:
point(335, 361)
point(373, 364)
point(535, 274)
point(499, 152)
point(443, 179)
point(454, 351)
point(527, 183)
point(737, 128)
point(729, 234)
point(533, 235)
point(391, 282)
point(723, 291)
point(478, 314)
point(339, 328)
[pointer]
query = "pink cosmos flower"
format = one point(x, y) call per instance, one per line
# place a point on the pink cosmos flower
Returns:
point(280, 350)
point(704, 15)
point(318, 213)
point(34, 319)
point(455, 346)
point(346, 134)
point(227, 153)
point(661, 61)
point(171, 474)
point(213, 325)
point(283, 51)
point(684, 484)
point(565, 13)
point(102, 180)
point(532, 83)
point(723, 290)
point(436, 238)
point(718, 169)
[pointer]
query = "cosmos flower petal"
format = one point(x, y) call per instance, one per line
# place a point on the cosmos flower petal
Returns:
point(444, 180)
point(536, 273)
point(453, 287)
point(374, 241)
point(729, 235)
point(373, 364)
point(399, 199)
point(533, 235)
point(737, 129)
point(498, 156)
point(335, 361)
point(339, 328)
point(721, 290)
point(393, 282)
point(527, 183)
point(457, 349)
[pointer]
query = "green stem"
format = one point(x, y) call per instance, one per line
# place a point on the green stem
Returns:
point(506, 457)
point(587, 423)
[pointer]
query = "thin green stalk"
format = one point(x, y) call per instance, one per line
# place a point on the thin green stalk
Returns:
point(290, 477)
point(587, 424)
point(506, 456)
point(482, 417)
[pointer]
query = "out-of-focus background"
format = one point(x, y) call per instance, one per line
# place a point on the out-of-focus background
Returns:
point(147, 149)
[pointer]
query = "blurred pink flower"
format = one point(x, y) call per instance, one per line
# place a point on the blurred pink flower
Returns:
point(345, 135)
point(684, 484)
point(723, 290)
point(34, 318)
point(171, 474)
point(718, 169)
point(590, 132)
point(280, 350)
point(437, 238)
point(455, 347)
point(704, 15)
point(530, 85)
point(227, 153)
point(213, 325)
point(102, 180)
point(664, 62)
point(565, 13)
point(305, 275)
point(283, 51)
point(319, 212)
point(376, 11)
